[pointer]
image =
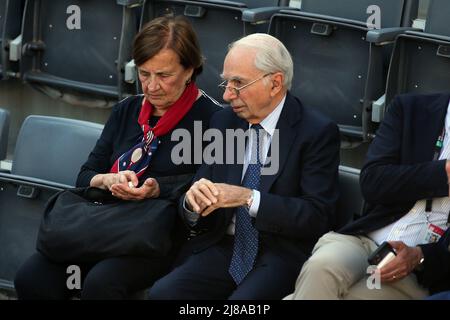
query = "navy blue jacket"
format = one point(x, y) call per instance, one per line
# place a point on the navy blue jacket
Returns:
point(399, 171)
point(298, 203)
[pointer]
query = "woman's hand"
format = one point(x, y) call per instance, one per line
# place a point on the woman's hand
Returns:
point(105, 181)
point(149, 189)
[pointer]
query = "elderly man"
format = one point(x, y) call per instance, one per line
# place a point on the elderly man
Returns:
point(405, 183)
point(256, 227)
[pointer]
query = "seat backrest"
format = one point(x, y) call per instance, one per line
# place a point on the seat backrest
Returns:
point(320, 38)
point(4, 130)
point(80, 45)
point(53, 149)
point(10, 25)
point(391, 11)
point(350, 204)
point(437, 17)
point(420, 61)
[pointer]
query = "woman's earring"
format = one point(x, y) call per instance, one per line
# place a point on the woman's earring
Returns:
point(188, 81)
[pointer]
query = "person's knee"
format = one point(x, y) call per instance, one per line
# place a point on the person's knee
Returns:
point(318, 265)
point(162, 290)
point(22, 283)
point(97, 288)
point(31, 282)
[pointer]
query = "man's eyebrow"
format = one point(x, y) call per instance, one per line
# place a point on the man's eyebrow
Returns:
point(234, 78)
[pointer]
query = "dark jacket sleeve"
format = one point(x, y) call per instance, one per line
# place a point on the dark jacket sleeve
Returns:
point(385, 180)
point(99, 158)
point(311, 214)
point(173, 187)
point(436, 269)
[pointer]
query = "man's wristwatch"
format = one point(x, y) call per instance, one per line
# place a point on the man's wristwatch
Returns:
point(419, 267)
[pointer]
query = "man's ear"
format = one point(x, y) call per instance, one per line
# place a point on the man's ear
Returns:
point(277, 83)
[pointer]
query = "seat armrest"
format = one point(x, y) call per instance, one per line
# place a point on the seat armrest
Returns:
point(323, 18)
point(129, 3)
point(222, 3)
point(260, 14)
point(379, 36)
point(33, 181)
point(430, 36)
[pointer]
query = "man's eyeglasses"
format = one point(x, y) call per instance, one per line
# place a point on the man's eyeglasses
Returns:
point(237, 91)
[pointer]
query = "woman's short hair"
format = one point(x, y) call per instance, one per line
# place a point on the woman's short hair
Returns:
point(271, 55)
point(175, 33)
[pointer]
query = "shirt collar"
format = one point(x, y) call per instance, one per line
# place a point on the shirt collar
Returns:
point(269, 123)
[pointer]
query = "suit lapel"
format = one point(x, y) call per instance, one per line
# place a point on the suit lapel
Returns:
point(287, 129)
point(436, 124)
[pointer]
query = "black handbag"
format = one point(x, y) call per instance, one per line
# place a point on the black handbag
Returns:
point(89, 224)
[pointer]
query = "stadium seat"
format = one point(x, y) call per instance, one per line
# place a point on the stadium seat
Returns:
point(49, 153)
point(10, 23)
point(79, 46)
point(339, 70)
point(351, 203)
point(421, 60)
point(217, 23)
point(4, 131)
point(53, 149)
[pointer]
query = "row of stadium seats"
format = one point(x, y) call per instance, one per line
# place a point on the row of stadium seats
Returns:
point(343, 66)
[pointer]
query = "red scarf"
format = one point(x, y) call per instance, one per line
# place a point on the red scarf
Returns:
point(138, 157)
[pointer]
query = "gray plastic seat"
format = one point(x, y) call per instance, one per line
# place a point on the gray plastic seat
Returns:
point(53, 149)
point(421, 60)
point(79, 56)
point(4, 131)
point(341, 67)
point(10, 23)
point(48, 155)
point(217, 23)
point(351, 202)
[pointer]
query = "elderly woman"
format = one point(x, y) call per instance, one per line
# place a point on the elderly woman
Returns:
point(132, 159)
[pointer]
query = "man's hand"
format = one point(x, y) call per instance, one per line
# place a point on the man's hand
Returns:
point(201, 194)
point(128, 191)
point(403, 264)
point(229, 196)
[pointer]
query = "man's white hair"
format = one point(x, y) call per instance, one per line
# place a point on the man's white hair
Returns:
point(271, 55)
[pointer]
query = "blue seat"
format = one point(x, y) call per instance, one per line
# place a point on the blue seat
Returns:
point(79, 47)
point(339, 69)
point(217, 23)
point(10, 24)
point(48, 155)
point(421, 60)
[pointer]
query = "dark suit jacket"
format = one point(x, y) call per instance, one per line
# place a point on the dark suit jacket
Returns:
point(399, 169)
point(298, 203)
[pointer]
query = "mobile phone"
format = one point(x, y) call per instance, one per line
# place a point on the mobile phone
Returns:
point(382, 256)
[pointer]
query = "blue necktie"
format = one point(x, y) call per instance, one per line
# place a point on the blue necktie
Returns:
point(246, 236)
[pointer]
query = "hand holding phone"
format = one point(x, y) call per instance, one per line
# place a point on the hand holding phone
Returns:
point(382, 256)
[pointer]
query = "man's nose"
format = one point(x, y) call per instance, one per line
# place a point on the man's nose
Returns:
point(229, 95)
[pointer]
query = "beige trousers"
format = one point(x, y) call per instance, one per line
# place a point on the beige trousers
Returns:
point(338, 270)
